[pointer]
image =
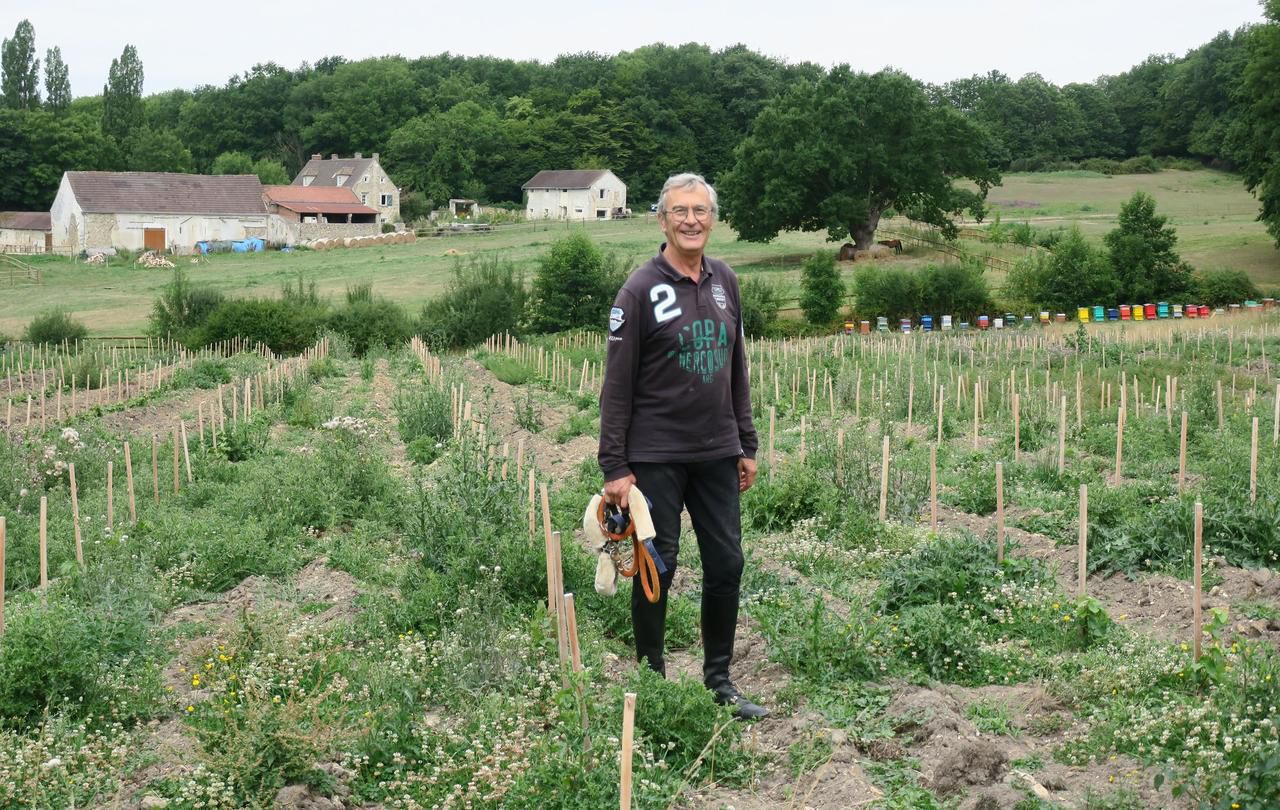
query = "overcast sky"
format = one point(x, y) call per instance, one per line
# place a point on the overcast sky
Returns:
point(184, 45)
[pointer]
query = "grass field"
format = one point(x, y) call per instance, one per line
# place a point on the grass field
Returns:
point(1214, 215)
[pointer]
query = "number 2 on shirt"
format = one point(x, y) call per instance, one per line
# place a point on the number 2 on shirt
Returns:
point(663, 297)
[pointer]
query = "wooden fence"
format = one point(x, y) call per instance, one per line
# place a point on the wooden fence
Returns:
point(14, 271)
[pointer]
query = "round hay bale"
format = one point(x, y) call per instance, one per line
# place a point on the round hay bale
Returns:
point(348, 241)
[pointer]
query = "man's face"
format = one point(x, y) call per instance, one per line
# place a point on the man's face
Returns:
point(687, 234)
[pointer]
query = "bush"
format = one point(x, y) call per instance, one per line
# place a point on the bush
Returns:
point(369, 323)
point(822, 291)
point(55, 326)
point(1075, 274)
point(486, 297)
point(1142, 164)
point(951, 289)
point(286, 326)
point(574, 286)
point(1222, 286)
point(182, 309)
point(760, 303)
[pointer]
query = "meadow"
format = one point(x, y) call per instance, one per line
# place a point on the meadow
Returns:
point(343, 596)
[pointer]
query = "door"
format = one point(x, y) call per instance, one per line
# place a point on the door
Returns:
point(48, 242)
point(153, 239)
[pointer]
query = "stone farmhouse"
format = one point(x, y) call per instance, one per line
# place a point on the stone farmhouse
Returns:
point(303, 213)
point(363, 175)
point(25, 232)
point(576, 194)
point(154, 210)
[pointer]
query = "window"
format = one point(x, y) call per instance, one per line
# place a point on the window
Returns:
point(602, 194)
point(364, 198)
point(388, 200)
point(341, 179)
point(365, 179)
point(308, 180)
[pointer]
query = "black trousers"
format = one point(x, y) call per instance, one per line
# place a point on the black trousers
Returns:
point(709, 490)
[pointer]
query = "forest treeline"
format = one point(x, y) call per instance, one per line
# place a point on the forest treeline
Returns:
point(479, 127)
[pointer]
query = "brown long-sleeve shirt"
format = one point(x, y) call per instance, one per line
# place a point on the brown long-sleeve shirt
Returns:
point(676, 385)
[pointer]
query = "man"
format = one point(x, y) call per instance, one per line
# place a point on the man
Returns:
point(675, 420)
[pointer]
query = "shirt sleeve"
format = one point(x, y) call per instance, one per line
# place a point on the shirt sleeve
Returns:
point(741, 389)
point(622, 363)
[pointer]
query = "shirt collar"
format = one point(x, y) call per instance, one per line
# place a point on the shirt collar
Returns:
point(671, 272)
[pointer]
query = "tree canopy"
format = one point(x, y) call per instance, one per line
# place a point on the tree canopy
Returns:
point(837, 153)
point(20, 69)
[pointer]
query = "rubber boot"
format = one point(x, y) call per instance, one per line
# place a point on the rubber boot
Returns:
point(649, 623)
point(719, 628)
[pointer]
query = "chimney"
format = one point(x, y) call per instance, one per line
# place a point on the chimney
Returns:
point(359, 156)
point(316, 156)
point(334, 156)
point(375, 155)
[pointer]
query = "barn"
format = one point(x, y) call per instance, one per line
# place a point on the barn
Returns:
point(155, 210)
point(578, 194)
point(303, 213)
point(24, 231)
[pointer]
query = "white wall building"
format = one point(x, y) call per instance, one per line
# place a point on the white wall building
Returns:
point(155, 210)
point(24, 231)
point(577, 194)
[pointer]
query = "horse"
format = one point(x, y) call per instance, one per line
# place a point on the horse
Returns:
point(896, 244)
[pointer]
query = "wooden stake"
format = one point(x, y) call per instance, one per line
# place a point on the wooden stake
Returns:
point(933, 487)
point(628, 731)
point(75, 514)
point(1017, 429)
point(128, 474)
point(111, 499)
point(176, 463)
point(1253, 463)
point(1182, 455)
point(1195, 579)
point(976, 410)
point(186, 452)
point(802, 437)
point(1062, 437)
point(942, 399)
point(773, 418)
point(44, 542)
point(562, 622)
point(999, 513)
point(1082, 547)
point(884, 480)
point(1120, 417)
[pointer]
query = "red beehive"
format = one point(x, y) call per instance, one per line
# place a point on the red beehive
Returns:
point(1124, 312)
point(1149, 310)
point(1204, 311)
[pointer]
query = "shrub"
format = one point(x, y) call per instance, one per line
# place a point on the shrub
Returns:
point(952, 289)
point(574, 285)
point(424, 413)
point(55, 326)
point(822, 291)
point(285, 325)
point(369, 323)
point(1142, 164)
point(1074, 274)
point(1222, 286)
point(182, 308)
point(486, 297)
point(760, 303)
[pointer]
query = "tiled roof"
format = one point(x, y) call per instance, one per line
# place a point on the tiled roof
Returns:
point(166, 193)
point(26, 220)
point(324, 171)
point(316, 199)
point(567, 178)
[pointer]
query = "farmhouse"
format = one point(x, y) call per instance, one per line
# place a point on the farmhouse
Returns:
point(303, 213)
point(24, 232)
point(154, 210)
point(363, 175)
point(575, 194)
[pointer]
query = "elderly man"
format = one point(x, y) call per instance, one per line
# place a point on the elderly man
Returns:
point(675, 420)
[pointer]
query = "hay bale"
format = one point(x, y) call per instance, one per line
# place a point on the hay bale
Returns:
point(848, 252)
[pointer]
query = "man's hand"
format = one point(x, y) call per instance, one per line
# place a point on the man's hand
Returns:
point(746, 473)
point(618, 490)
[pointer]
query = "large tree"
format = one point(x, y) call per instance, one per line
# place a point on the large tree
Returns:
point(1142, 252)
point(1257, 137)
point(837, 153)
point(57, 81)
point(20, 69)
point(122, 109)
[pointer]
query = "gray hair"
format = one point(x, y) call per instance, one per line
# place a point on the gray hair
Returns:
point(687, 180)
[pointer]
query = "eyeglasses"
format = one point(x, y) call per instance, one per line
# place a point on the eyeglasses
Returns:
point(700, 212)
